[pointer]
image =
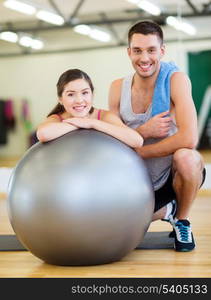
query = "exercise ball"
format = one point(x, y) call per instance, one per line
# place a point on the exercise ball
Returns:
point(84, 198)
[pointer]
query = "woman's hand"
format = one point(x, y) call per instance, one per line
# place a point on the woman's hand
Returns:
point(80, 122)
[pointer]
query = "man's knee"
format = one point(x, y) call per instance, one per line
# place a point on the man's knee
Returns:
point(187, 160)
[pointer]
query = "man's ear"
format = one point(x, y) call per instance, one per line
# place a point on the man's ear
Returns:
point(129, 51)
point(163, 50)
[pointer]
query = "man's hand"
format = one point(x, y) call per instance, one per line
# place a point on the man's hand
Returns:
point(157, 127)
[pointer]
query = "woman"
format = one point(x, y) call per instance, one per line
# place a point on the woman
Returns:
point(74, 110)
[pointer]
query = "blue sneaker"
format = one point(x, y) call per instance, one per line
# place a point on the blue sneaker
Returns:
point(184, 240)
point(172, 234)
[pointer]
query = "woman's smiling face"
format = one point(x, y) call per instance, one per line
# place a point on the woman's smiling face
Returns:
point(77, 98)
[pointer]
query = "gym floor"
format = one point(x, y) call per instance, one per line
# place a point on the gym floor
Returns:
point(138, 263)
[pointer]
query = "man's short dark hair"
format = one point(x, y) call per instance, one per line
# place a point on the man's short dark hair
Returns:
point(146, 27)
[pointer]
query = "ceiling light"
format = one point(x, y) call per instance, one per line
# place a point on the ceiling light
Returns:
point(147, 6)
point(20, 7)
point(99, 35)
point(28, 41)
point(9, 36)
point(174, 22)
point(25, 41)
point(181, 25)
point(82, 29)
point(50, 17)
point(37, 44)
point(93, 32)
point(188, 28)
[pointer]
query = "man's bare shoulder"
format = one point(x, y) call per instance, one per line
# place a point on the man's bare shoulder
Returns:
point(181, 91)
point(179, 76)
point(117, 83)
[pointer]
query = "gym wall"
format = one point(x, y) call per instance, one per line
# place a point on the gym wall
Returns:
point(34, 77)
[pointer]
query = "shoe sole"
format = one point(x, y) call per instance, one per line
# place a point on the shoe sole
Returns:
point(184, 250)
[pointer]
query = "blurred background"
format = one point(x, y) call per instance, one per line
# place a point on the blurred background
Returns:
point(41, 39)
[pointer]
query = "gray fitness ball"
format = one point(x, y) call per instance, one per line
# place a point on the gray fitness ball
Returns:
point(82, 199)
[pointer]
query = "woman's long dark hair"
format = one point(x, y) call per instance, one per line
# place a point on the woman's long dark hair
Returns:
point(65, 78)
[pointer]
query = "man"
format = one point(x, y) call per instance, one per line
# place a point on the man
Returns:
point(157, 101)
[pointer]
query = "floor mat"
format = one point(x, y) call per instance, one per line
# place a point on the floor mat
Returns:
point(152, 240)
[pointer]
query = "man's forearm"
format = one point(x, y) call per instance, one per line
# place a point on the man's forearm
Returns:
point(167, 146)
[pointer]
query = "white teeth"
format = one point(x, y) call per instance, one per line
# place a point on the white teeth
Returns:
point(145, 66)
point(79, 108)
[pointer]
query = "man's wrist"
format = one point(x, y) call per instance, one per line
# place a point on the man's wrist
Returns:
point(140, 151)
point(141, 130)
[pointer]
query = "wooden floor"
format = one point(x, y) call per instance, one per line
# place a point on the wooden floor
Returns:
point(138, 263)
